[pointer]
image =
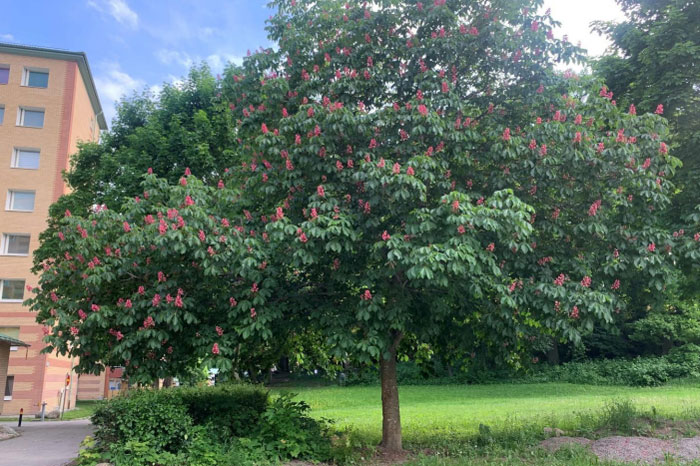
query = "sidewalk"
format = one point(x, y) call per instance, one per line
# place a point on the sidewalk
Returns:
point(50, 443)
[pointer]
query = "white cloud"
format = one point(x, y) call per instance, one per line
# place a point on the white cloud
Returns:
point(7, 38)
point(576, 17)
point(168, 57)
point(117, 9)
point(217, 61)
point(113, 84)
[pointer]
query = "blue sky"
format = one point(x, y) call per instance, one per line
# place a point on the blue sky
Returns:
point(139, 44)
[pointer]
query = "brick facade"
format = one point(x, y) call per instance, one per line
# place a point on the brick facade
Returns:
point(72, 114)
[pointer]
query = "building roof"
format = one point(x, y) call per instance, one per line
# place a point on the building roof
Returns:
point(57, 54)
point(12, 341)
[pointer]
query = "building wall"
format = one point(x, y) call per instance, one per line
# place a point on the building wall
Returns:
point(67, 117)
point(91, 387)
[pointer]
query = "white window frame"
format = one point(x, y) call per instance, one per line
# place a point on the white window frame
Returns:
point(5, 242)
point(15, 157)
point(29, 69)
point(10, 199)
point(2, 281)
point(9, 397)
point(20, 116)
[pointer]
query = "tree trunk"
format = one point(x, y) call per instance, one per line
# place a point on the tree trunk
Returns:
point(391, 417)
point(553, 353)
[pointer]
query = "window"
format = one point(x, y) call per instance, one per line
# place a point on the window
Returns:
point(30, 117)
point(20, 200)
point(35, 77)
point(25, 158)
point(14, 244)
point(4, 74)
point(9, 385)
point(11, 332)
point(12, 290)
point(2, 113)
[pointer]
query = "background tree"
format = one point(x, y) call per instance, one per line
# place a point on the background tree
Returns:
point(399, 170)
point(653, 64)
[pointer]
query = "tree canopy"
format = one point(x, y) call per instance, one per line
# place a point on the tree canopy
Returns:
point(396, 171)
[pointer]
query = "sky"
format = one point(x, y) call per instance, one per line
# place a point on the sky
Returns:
point(134, 45)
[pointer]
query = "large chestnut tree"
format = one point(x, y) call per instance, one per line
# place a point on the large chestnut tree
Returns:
point(402, 168)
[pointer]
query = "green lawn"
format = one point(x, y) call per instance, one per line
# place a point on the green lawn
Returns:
point(445, 419)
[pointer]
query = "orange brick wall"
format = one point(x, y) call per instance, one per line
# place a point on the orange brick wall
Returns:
point(68, 116)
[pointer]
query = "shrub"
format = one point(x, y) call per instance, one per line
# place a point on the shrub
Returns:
point(287, 431)
point(223, 425)
point(155, 417)
point(233, 408)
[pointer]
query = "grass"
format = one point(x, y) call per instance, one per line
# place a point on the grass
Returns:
point(500, 423)
point(83, 409)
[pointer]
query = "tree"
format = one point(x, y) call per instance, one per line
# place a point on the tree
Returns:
point(400, 170)
point(652, 64)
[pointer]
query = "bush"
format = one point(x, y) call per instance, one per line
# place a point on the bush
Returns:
point(288, 432)
point(222, 425)
point(158, 418)
point(233, 408)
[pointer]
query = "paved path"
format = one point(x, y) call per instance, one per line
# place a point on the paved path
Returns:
point(49, 443)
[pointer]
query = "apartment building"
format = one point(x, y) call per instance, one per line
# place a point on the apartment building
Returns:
point(48, 103)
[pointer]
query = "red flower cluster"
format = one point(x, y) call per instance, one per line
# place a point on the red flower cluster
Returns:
point(559, 281)
point(149, 322)
point(586, 282)
point(367, 295)
point(593, 209)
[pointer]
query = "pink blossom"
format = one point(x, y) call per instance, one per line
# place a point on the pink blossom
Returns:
point(82, 314)
point(615, 285)
point(149, 322)
point(651, 247)
point(423, 110)
point(67, 213)
point(253, 313)
point(410, 171)
point(543, 150)
point(156, 300)
point(663, 148)
point(659, 110)
point(187, 171)
point(506, 134)
point(162, 227)
point(127, 227)
point(633, 109)
point(396, 169)
point(491, 247)
point(577, 137)
point(461, 230)
point(183, 181)
point(232, 302)
point(647, 163)
point(219, 330)
point(574, 312)
point(74, 331)
point(264, 128)
point(188, 200)
point(586, 282)
point(696, 237)
point(367, 295)
point(445, 87)
point(142, 290)
point(386, 236)
point(320, 191)
point(559, 281)
point(593, 209)
point(215, 349)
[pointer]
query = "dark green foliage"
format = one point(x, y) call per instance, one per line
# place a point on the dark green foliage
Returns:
point(157, 417)
point(233, 408)
point(222, 425)
point(287, 431)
